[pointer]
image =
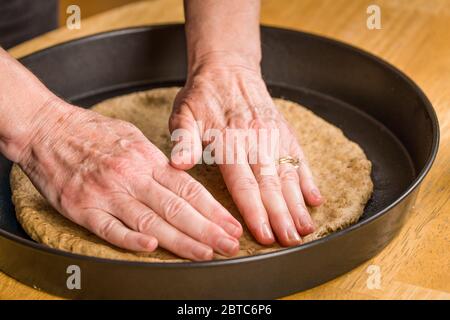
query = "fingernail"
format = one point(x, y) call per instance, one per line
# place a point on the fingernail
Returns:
point(305, 224)
point(293, 236)
point(265, 230)
point(227, 245)
point(305, 219)
point(316, 193)
point(232, 229)
point(202, 253)
point(306, 228)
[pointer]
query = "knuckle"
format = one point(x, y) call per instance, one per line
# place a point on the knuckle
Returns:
point(203, 236)
point(218, 211)
point(126, 238)
point(106, 227)
point(245, 183)
point(301, 207)
point(269, 183)
point(173, 207)
point(288, 175)
point(210, 233)
point(91, 222)
point(123, 143)
point(119, 165)
point(205, 233)
point(190, 189)
point(178, 245)
point(146, 222)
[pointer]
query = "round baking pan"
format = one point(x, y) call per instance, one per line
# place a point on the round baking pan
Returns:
point(375, 105)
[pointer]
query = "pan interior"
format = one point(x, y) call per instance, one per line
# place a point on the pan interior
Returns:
point(392, 167)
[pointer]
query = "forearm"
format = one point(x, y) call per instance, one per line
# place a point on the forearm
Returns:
point(24, 107)
point(225, 30)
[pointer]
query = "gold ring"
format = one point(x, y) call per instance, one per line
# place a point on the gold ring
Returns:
point(290, 160)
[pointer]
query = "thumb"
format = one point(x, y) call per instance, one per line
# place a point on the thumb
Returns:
point(185, 134)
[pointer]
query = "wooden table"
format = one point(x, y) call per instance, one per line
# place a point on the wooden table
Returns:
point(414, 37)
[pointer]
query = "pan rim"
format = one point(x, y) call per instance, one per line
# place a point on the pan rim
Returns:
point(420, 175)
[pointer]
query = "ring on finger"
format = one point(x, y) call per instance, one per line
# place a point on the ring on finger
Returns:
point(295, 162)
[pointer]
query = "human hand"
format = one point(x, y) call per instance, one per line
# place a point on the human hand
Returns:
point(104, 175)
point(226, 93)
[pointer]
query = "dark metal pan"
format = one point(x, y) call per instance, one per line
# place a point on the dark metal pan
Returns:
point(375, 105)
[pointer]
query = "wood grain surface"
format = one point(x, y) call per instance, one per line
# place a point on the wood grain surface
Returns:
point(415, 38)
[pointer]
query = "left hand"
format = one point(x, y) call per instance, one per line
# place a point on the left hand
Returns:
point(222, 94)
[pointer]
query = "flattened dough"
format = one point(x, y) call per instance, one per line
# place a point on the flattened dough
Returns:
point(340, 167)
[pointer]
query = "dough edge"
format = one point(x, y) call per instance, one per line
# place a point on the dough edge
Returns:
point(44, 225)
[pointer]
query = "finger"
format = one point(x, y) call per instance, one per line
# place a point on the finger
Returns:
point(113, 231)
point(274, 202)
point(309, 189)
point(290, 187)
point(139, 217)
point(183, 185)
point(244, 190)
point(180, 214)
point(187, 150)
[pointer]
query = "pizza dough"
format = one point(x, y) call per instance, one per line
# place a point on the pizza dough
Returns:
point(340, 167)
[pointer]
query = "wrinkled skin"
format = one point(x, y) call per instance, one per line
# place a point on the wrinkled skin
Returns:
point(104, 175)
point(230, 96)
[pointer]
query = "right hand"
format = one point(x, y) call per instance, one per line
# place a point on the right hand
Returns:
point(104, 175)
point(226, 93)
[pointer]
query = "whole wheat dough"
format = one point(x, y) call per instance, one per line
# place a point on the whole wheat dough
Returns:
point(340, 167)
